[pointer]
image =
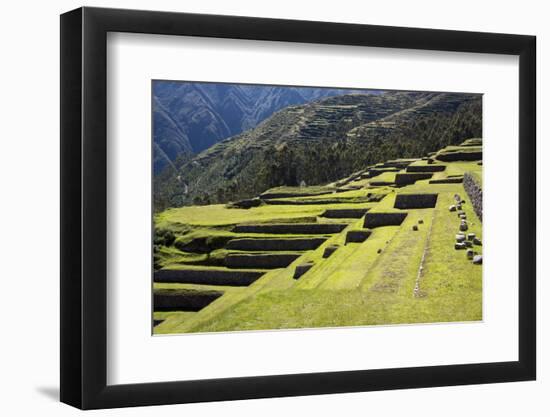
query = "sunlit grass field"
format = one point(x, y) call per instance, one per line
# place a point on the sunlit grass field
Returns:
point(397, 275)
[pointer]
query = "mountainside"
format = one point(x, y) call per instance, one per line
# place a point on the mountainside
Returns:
point(319, 142)
point(191, 117)
point(398, 242)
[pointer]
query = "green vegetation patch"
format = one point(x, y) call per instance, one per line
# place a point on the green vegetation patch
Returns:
point(285, 263)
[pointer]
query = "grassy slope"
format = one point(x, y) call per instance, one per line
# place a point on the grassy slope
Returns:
point(356, 285)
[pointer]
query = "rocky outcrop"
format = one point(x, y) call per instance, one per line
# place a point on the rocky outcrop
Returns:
point(475, 192)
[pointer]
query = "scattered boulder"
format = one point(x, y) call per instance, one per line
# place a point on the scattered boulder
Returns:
point(452, 208)
point(460, 237)
point(329, 250)
point(457, 198)
point(468, 243)
point(302, 269)
point(460, 245)
point(415, 227)
point(478, 260)
point(471, 236)
point(463, 227)
point(477, 241)
point(420, 221)
point(379, 251)
point(459, 206)
point(470, 254)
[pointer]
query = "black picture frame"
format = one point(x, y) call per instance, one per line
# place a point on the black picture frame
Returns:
point(84, 207)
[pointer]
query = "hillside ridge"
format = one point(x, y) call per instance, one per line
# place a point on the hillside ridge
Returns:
point(320, 142)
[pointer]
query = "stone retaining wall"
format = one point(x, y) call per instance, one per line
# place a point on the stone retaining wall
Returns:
point(459, 156)
point(317, 202)
point(345, 213)
point(267, 260)
point(357, 236)
point(268, 195)
point(247, 244)
point(415, 201)
point(457, 180)
point(411, 178)
point(384, 219)
point(208, 276)
point(426, 168)
point(291, 228)
point(183, 300)
point(245, 204)
point(475, 192)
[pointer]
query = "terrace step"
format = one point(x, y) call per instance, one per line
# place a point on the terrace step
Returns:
point(318, 202)
point(208, 276)
point(415, 201)
point(250, 244)
point(357, 236)
point(455, 180)
point(345, 213)
point(260, 260)
point(329, 250)
point(426, 168)
point(460, 156)
point(384, 219)
point(183, 300)
point(302, 269)
point(270, 195)
point(411, 178)
point(381, 183)
point(291, 228)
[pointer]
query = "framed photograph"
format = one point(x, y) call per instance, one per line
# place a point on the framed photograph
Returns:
point(258, 208)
